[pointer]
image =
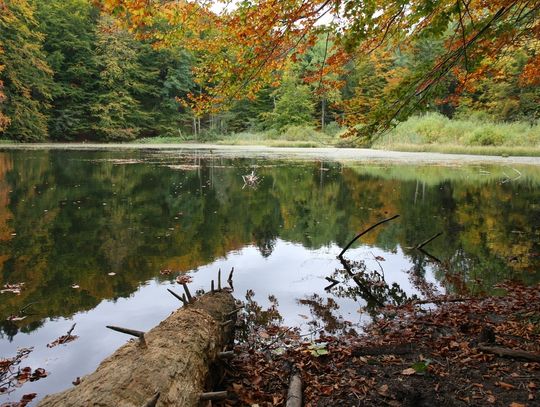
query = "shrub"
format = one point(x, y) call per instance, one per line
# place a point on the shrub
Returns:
point(486, 136)
point(300, 133)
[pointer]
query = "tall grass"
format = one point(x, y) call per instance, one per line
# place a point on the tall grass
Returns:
point(436, 129)
point(291, 136)
point(432, 132)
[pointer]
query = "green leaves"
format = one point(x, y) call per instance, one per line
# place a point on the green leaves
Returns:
point(318, 349)
point(421, 366)
point(26, 76)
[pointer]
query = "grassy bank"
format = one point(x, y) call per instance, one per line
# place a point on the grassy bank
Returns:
point(474, 135)
point(431, 132)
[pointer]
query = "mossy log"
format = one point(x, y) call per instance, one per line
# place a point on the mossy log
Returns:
point(176, 362)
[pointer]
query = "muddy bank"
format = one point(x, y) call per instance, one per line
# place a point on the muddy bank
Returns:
point(413, 355)
point(175, 361)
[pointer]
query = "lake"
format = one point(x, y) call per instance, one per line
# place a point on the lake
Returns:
point(96, 238)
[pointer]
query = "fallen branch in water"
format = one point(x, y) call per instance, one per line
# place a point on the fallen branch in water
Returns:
point(333, 282)
point(366, 231)
point(420, 245)
point(430, 255)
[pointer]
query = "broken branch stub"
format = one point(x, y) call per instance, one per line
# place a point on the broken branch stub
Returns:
point(177, 296)
point(132, 332)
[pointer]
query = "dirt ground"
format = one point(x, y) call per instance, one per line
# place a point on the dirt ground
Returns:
point(415, 355)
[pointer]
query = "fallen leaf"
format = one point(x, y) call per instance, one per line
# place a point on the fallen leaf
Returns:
point(408, 372)
point(383, 390)
point(491, 399)
point(506, 386)
point(183, 279)
point(514, 404)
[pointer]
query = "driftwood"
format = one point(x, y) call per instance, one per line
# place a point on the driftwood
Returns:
point(176, 364)
point(511, 353)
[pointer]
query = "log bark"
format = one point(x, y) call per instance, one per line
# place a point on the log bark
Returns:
point(176, 363)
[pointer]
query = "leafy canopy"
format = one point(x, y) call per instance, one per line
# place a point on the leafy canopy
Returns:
point(243, 46)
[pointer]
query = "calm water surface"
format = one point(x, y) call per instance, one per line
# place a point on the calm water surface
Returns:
point(121, 226)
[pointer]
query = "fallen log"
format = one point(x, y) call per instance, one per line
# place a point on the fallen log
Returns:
point(172, 370)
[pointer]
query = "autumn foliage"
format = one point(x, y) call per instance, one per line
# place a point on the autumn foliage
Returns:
point(243, 47)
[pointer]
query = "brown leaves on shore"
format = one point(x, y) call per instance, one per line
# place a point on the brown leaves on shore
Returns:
point(414, 357)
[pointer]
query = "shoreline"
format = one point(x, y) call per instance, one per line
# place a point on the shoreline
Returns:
point(465, 352)
point(326, 153)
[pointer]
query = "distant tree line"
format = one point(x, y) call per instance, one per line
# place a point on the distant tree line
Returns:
point(68, 71)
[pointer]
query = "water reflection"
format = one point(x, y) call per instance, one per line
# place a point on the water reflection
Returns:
point(85, 231)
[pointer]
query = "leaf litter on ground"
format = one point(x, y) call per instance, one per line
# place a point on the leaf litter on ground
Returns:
point(412, 357)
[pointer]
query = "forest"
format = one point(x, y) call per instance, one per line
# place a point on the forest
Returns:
point(337, 72)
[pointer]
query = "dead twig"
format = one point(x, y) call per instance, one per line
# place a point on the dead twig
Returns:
point(511, 353)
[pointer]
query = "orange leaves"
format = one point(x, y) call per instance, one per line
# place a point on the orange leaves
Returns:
point(531, 72)
point(242, 47)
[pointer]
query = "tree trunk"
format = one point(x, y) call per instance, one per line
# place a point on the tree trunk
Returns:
point(176, 362)
point(323, 109)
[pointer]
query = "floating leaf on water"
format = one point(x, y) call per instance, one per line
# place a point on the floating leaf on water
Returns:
point(14, 288)
point(15, 318)
point(183, 279)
